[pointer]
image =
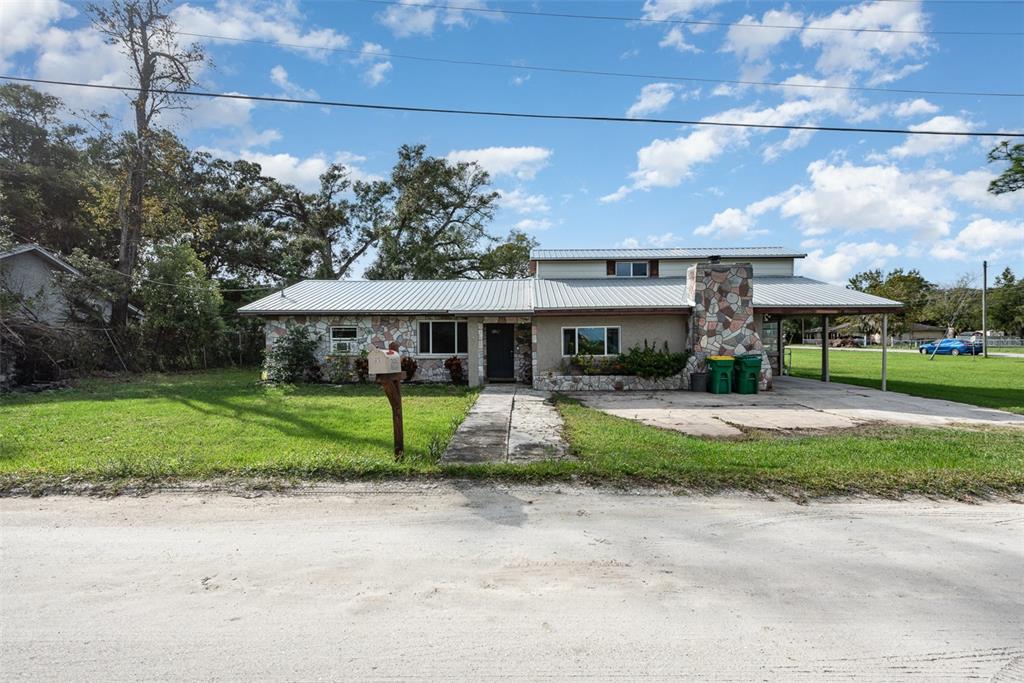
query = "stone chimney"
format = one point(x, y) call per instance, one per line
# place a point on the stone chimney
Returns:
point(722, 322)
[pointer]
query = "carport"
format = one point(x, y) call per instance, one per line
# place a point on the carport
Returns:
point(788, 297)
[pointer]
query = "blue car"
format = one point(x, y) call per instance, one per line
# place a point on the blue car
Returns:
point(952, 347)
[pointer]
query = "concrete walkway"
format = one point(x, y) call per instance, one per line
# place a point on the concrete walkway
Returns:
point(794, 405)
point(508, 423)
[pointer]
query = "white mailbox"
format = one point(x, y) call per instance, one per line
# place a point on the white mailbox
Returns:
point(384, 362)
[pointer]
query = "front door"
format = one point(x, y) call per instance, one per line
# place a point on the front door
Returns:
point(501, 346)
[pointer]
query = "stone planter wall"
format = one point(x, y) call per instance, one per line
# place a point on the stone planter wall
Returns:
point(550, 382)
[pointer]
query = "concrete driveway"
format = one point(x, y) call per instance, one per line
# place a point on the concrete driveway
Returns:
point(469, 582)
point(794, 405)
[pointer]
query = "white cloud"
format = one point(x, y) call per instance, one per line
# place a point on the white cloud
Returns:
point(848, 257)
point(728, 223)
point(279, 77)
point(653, 97)
point(860, 51)
point(675, 38)
point(859, 198)
point(522, 202)
point(754, 44)
point(304, 173)
point(519, 80)
point(22, 22)
point(521, 162)
point(533, 224)
point(923, 145)
point(996, 239)
point(280, 22)
point(415, 17)
point(376, 56)
point(915, 108)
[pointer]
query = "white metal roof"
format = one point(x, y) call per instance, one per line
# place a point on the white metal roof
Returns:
point(608, 293)
point(397, 296)
point(504, 297)
point(802, 292)
point(673, 253)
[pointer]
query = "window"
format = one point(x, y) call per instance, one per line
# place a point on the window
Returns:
point(631, 269)
point(443, 337)
point(343, 340)
point(590, 341)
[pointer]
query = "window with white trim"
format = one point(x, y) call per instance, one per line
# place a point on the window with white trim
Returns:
point(443, 337)
point(631, 268)
point(343, 340)
point(590, 341)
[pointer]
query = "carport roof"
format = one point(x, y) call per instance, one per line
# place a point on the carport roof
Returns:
point(778, 295)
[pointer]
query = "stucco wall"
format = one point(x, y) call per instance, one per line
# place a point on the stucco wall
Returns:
point(634, 329)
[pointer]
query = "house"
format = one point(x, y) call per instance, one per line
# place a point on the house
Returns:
point(30, 273)
point(578, 301)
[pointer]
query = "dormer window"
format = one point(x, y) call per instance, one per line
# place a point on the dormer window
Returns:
point(631, 269)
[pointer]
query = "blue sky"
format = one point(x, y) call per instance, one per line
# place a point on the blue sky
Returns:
point(852, 201)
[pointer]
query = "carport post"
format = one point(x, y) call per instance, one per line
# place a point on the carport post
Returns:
point(824, 348)
point(885, 347)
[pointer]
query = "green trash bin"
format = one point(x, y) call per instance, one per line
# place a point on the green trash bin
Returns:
point(720, 374)
point(747, 373)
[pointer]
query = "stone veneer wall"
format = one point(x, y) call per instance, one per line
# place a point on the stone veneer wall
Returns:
point(371, 330)
point(551, 382)
point(722, 322)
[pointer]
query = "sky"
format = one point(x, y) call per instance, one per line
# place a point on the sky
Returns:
point(851, 201)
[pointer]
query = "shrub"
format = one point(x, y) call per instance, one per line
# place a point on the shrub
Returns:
point(409, 367)
point(293, 357)
point(361, 366)
point(455, 369)
point(650, 362)
point(338, 369)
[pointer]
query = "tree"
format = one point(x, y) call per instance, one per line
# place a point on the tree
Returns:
point(508, 259)
point(1012, 178)
point(908, 287)
point(182, 307)
point(147, 36)
point(432, 219)
point(1006, 304)
point(956, 307)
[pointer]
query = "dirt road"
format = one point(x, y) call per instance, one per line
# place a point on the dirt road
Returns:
point(474, 581)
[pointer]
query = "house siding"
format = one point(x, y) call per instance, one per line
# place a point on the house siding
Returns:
point(582, 269)
point(634, 329)
point(34, 279)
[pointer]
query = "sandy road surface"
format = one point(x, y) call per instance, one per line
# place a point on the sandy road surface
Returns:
point(481, 582)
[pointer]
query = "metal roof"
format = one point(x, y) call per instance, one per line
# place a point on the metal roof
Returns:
point(397, 296)
point(802, 292)
point(675, 253)
point(503, 297)
point(573, 295)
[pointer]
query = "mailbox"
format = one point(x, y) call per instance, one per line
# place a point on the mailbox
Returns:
point(383, 362)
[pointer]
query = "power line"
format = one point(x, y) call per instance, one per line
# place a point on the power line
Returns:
point(383, 54)
point(516, 115)
point(689, 22)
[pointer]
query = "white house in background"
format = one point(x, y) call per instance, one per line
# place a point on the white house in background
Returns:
point(31, 272)
point(709, 300)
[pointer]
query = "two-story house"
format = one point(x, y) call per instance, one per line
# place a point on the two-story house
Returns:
point(596, 302)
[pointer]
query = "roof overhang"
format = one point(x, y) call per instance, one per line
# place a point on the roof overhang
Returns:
point(676, 310)
point(826, 310)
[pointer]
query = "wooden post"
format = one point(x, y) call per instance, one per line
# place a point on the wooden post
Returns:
point(392, 384)
point(824, 348)
point(885, 347)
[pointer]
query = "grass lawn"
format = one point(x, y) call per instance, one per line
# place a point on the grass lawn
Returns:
point(881, 461)
point(990, 382)
point(223, 422)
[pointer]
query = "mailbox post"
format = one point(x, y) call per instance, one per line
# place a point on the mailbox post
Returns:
point(386, 366)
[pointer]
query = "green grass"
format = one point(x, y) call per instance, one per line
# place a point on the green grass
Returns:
point(224, 422)
point(162, 428)
point(989, 382)
point(881, 461)
point(1006, 349)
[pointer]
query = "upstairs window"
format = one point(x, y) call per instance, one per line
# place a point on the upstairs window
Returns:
point(631, 269)
point(343, 340)
point(443, 337)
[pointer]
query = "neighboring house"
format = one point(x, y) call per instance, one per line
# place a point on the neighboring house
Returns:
point(30, 272)
point(579, 301)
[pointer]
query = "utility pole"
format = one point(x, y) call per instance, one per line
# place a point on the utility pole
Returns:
point(984, 308)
